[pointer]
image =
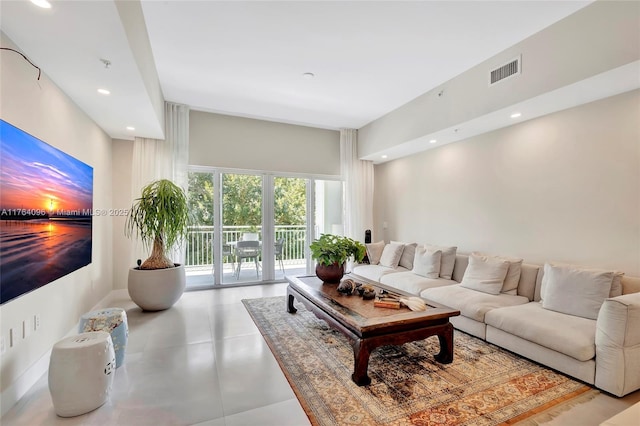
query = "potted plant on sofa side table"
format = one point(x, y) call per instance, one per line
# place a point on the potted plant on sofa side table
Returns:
point(331, 253)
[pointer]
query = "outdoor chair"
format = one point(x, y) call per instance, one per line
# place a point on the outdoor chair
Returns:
point(247, 250)
point(228, 253)
point(250, 236)
point(278, 252)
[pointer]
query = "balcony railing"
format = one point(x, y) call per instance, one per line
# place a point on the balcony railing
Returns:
point(200, 242)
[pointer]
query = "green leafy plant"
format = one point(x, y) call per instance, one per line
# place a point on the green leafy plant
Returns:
point(330, 249)
point(160, 216)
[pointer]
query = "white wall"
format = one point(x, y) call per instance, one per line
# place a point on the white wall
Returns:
point(598, 38)
point(43, 110)
point(133, 22)
point(123, 259)
point(563, 187)
point(244, 143)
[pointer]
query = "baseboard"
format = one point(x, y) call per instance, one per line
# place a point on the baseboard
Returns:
point(16, 390)
point(12, 394)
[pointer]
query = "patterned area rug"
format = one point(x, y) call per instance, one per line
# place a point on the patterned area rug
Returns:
point(485, 385)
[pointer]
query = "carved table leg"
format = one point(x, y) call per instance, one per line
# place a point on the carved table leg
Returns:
point(445, 337)
point(361, 353)
point(290, 308)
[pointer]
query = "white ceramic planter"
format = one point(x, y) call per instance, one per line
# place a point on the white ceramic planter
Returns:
point(157, 289)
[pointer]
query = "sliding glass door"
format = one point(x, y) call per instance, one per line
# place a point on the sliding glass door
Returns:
point(256, 227)
point(290, 225)
point(241, 235)
point(200, 239)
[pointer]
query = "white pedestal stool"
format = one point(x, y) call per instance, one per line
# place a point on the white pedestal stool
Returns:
point(81, 371)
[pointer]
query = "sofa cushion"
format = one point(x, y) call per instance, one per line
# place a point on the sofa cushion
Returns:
point(447, 260)
point(391, 255)
point(408, 252)
point(485, 273)
point(426, 263)
point(616, 284)
point(460, 266)
point(374, 251)
point(412, 283)
point(471, 303)
point(570, 335)
point(529, 280)
point(575, 291)
point(512, 279)
point(375, 272)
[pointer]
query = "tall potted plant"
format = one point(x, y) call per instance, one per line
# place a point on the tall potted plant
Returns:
point(159, 218)
point(331, 253)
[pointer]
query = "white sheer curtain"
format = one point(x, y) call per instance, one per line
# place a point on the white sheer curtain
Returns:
point(162, 159)
point(358, 184)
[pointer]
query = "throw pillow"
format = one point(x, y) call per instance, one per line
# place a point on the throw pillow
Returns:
point(408, 253)
point(391, 255)
point(575, 291)
point(447, 261)
point(512, 279)
point(374, 251)
point(426, 262)
point(616, 284)
point(485, 274)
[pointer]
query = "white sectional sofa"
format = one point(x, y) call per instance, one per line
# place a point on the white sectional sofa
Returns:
point(602, 349)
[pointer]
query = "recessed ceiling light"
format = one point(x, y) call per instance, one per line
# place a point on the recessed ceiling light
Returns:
point(42, 3)
point(130, 128)
point(516, 115)
point(384, 156)
point(308, 75)
point(433, 141)
point(104, 92)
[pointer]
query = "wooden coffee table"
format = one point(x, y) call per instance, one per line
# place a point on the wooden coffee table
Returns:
point(369, 327)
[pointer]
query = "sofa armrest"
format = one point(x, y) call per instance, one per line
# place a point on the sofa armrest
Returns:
point(618, 345)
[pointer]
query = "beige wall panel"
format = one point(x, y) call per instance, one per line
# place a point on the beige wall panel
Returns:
point(563, 187)
point(236, 142)
point(43, 110)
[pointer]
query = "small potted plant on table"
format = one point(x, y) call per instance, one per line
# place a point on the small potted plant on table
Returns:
point(159, 217)
point(331, 252)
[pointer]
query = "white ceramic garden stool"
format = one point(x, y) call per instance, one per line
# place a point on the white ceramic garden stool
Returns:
point(81, 371)
point(114, 322)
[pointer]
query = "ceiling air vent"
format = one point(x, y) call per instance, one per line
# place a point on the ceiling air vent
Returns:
point(507, 70)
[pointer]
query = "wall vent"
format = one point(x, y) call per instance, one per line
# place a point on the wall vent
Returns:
point(510, 69)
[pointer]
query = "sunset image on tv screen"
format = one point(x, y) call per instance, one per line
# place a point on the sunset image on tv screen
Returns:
point(46, 204)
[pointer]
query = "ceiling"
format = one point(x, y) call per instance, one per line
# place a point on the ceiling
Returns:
point(248, 58)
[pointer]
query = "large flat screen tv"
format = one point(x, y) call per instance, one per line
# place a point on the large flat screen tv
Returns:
point(46, 204)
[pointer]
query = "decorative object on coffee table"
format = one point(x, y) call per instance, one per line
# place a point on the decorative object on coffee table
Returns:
point(346, 286)
point(332, 252)
point(367, 292)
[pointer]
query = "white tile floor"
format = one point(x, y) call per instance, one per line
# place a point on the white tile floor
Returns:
point(203, 362)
